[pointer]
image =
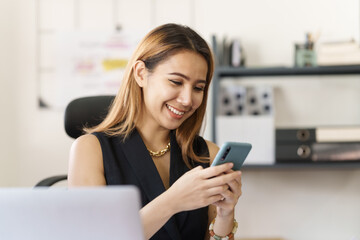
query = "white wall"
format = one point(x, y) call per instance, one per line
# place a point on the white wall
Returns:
point(269, 28)
point(7, 94)
point(294, 204)
point(300, 204)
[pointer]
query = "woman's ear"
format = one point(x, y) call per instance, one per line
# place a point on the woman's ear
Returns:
point(140, 73)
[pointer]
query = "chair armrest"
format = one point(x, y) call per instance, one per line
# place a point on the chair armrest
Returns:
point(47, 182)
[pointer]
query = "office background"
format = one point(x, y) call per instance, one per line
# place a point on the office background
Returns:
point(294, 204)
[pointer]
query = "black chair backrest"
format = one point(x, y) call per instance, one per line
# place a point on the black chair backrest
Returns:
point(85, 112)
point(81, 112)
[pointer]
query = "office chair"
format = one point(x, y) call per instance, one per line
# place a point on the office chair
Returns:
point(81, 112)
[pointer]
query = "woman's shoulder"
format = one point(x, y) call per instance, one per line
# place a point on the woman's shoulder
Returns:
point(206, 146)
point(86, 143)
point(213, 149)
point(85, 164)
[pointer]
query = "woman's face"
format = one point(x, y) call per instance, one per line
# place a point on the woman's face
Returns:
point(174, 90)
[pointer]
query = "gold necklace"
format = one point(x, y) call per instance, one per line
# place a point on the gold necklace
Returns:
point(160, 152)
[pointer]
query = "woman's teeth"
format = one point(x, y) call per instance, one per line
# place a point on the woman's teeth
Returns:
point(175, 111)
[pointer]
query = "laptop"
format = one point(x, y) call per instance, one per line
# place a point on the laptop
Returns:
point(81, 213)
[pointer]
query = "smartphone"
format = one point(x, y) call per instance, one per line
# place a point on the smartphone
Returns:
point(235, 152)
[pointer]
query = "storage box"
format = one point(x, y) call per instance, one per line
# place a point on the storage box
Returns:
point(246, 114)
point(257, 130)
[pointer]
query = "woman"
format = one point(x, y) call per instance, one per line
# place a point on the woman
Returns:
point(150, 139)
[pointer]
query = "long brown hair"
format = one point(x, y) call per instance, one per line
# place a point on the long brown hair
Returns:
point(155, 47)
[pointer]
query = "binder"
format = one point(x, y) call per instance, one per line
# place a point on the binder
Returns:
point(295, 135)
point(319, 134)
point(287, 153)
point(317, 144)
point(317, 152)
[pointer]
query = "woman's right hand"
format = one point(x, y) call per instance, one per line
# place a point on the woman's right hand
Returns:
point(200, 187)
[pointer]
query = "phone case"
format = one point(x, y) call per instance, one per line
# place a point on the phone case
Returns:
point(235, 152)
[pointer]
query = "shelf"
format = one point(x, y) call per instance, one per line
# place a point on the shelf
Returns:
point(223, 71)
point(226, 71)
point(284, 71)
point(312, 165)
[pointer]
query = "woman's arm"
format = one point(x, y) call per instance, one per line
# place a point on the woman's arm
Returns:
point(86, 163)
point(156, 213)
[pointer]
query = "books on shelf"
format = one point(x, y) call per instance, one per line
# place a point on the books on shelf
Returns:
point(228, 52)
point(318, 144)
point(336, 151)
point(338, 53)
point(338, 134)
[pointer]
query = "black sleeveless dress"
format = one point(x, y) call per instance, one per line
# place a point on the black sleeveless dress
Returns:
point(130, 163)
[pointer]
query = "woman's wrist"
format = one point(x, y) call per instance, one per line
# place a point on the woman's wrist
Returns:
point(156, 213)
point(171, 202)
point(230, 235)
point(223, 225)
point(225, 214)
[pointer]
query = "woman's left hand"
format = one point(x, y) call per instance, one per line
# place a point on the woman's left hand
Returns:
point(225, 207)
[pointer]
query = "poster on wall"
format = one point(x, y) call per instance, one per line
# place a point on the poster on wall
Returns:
point(89, 64)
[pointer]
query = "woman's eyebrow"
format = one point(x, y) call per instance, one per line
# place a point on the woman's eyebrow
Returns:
point(186, 77)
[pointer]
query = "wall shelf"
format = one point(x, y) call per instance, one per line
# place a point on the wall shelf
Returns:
point(310, 165)
point(225, 71)
point(284, 71)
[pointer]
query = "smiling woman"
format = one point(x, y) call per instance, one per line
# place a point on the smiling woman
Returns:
point(150, 139)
